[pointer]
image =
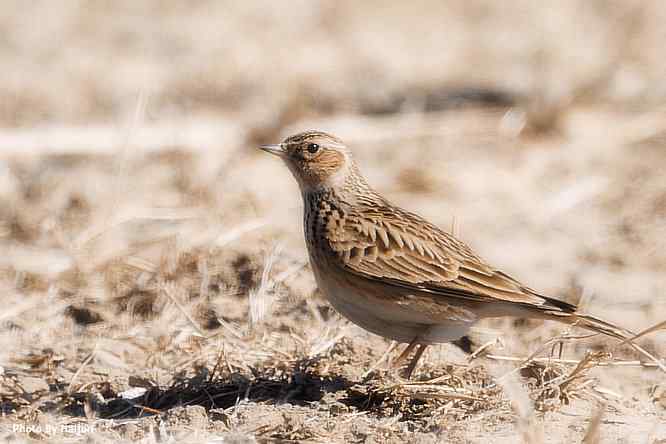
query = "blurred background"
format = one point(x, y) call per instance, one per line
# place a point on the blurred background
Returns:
point(134, 206)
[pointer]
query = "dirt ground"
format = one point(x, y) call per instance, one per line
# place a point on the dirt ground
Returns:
point(153, 272)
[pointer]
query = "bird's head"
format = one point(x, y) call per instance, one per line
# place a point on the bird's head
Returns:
point(316, 159)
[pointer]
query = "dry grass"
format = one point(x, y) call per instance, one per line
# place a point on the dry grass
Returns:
point(153, 273)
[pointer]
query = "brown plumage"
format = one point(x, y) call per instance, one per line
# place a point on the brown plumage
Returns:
point(392, 272)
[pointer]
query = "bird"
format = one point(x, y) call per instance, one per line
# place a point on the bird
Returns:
point(392, 272)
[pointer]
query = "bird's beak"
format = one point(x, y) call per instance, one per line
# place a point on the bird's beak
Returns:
point(276, 149)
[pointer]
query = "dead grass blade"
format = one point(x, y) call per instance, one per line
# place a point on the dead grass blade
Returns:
point(259, 298)
point(91, 356)
point(591, 359)
point(167, 290)
point(592, 433)
point(657, 327)
point(641, 350)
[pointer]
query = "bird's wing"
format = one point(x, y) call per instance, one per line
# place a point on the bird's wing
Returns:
point(398, 247)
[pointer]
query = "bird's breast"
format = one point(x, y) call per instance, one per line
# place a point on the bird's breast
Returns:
point(323, 217)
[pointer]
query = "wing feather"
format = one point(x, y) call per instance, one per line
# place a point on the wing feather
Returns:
point(401, 248)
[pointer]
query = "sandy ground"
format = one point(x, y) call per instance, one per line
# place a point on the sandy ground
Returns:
point(154, 276)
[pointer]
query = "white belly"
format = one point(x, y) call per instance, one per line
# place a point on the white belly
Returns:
point(388, 319)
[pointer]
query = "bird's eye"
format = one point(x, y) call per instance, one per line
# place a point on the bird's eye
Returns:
point(313, 148)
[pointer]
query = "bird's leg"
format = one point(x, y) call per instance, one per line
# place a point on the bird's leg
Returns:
point(405, 353)
point(415, 360)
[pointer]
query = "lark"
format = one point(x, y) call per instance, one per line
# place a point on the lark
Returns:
point(394, 273)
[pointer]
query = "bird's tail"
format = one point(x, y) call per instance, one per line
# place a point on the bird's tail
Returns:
point(597, 325)
point(594, 324)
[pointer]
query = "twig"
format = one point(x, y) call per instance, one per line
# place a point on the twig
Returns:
point(483, 348)
point(616, 363)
